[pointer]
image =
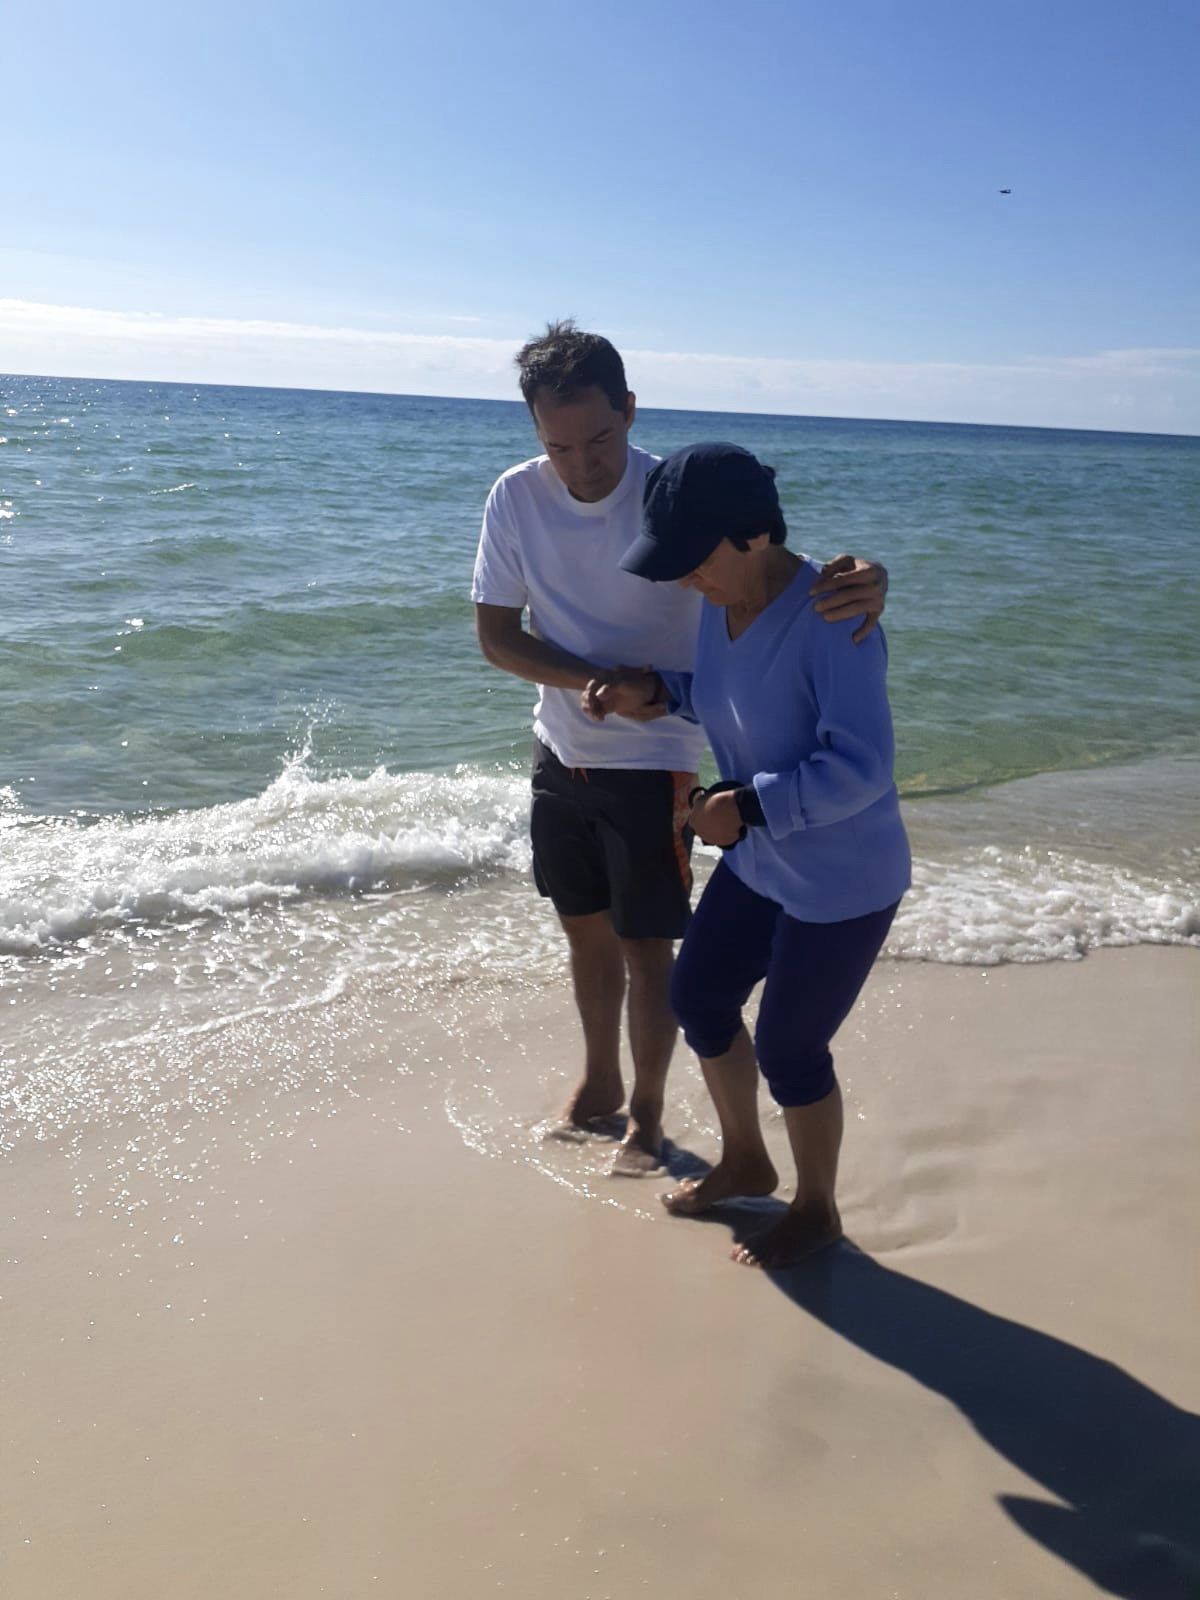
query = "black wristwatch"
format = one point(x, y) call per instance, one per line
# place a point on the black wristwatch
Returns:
point(745, 797)
point(749, 806)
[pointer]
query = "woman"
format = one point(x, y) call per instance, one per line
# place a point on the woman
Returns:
point(816, 854)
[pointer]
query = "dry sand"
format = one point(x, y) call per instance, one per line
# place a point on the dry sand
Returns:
point(365, 1359)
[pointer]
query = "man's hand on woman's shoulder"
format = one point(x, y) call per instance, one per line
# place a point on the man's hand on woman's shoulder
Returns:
point(852, 588)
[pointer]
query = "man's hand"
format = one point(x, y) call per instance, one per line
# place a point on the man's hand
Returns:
point(715, 818)
point(853, 588)
point(634, 692)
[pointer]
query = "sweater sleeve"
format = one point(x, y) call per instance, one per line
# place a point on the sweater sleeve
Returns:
point(679, 694)
point(852, 769)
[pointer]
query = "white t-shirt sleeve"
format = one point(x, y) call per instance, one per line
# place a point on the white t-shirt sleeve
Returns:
point(499, 578)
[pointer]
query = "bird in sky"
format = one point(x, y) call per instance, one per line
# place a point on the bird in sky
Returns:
point(1006, 191)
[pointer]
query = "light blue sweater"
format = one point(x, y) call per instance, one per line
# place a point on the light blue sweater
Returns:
point(794, 706)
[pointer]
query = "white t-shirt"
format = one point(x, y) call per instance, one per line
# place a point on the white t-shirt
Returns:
point(543, 549)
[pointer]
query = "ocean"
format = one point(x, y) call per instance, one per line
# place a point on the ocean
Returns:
point(250, 754)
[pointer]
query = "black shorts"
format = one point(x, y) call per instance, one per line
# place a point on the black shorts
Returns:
point(613, 840)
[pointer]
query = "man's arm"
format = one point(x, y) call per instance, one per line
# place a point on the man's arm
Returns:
point(853, 588)
point(507, 645)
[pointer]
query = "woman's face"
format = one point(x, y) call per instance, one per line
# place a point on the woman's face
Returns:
point(723, 578)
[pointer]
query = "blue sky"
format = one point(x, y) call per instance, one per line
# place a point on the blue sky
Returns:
point(768, 206)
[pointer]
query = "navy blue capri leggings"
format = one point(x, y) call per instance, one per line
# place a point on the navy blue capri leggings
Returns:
point(814, 972)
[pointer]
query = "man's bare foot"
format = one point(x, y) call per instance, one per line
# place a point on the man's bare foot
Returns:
point(567, 1132)
point(800, 1233)
point(640, 1155)
point(631, 1161)
point(725, 1182)
point(594, 1103)
point(561, 1131)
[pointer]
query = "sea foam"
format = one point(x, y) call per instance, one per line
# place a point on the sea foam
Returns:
point(1015, 905)
point(306, 839)
point(68, 879)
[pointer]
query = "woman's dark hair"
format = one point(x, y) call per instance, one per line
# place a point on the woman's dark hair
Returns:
point(775, 529)
point(773, 525)
point(564, 361)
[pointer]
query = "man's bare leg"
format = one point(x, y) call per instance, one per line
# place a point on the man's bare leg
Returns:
point(812, 1219)
point(598, 975)
point(745, 1168)
point(652, 1034)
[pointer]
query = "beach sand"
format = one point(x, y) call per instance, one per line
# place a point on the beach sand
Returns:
point(325, 1332)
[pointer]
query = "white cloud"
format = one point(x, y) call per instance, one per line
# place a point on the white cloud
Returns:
point(1152, 389)
point(82, 342)
point(1141, 389)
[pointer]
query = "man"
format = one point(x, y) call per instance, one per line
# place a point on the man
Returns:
point(608, 824)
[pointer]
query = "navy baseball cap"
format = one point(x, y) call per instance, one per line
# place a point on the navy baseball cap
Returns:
point(696, 498)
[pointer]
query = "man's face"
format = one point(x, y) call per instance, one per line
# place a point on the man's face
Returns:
point(585, 440)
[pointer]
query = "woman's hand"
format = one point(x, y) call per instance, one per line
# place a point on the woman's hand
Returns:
point(634, 692)
point(715, 819)
point(852, 588)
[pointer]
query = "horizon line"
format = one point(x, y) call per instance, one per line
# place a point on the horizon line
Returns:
point(791, 416)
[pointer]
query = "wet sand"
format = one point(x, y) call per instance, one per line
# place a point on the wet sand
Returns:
point(308, 1340)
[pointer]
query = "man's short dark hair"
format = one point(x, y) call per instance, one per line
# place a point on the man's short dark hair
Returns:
point(564, 361)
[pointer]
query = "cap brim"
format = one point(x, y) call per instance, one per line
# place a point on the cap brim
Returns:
point(650, 558)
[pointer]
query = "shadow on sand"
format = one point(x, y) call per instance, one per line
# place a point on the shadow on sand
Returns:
point(1123, 1462)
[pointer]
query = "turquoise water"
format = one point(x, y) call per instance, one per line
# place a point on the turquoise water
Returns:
point(201, 581)
point(245, 714)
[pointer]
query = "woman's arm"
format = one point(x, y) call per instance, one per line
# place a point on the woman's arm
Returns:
point(853, 766)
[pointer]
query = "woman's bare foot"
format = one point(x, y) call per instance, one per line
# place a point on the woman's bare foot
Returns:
point(726, 1181)
point(802, 1232)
